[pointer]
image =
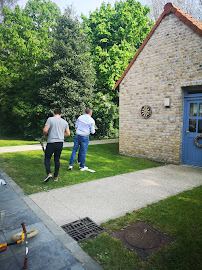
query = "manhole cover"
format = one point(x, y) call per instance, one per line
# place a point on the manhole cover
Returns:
point(142, 238)
point(82, 229)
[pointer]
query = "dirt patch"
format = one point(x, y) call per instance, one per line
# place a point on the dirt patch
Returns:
point(143, 239)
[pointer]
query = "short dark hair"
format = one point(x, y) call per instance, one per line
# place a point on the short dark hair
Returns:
point(57, 111)
point(87, 110)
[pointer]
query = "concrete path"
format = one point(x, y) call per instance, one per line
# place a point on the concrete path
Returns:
point(20, 148)
point(108, 198)
point(50, 249)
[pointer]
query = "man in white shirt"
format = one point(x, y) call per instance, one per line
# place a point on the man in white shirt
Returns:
point(85, 125)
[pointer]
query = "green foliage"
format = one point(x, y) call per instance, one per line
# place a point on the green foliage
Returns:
point(24, 39)
point(69, 76)
point(115, 34)
point(46, 62)
point(6, 3)
point(106, 114)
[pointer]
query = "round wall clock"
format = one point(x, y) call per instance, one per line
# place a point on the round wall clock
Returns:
point(146, 111)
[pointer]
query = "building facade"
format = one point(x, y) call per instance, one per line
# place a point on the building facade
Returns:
point(161, 93)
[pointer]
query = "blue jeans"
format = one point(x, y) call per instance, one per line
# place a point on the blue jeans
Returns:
point(81, 141)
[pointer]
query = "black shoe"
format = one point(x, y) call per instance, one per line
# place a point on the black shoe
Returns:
point(47, 178)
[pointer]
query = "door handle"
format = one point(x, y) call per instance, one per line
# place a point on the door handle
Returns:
point(186, 131)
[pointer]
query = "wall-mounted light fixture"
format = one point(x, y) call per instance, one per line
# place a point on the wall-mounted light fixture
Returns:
point(167, 102)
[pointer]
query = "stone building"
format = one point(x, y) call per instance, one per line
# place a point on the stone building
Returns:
point(161, 93)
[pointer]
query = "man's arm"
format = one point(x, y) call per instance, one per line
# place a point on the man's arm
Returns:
point(67, 132)
point(45, 130)
point(77, 123)
point(92, 128)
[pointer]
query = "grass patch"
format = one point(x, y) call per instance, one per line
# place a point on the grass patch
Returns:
point(179, 216)
point(15, 142)
point(27, 170)
point(8, 142)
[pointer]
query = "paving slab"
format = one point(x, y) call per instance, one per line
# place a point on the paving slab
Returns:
point(12, 206)
point(7, 194)
point(111, 197)
point(50, 249)
point(42, 237)
point(50, 255)
point(10, 263)
point(8, 253)
point(12, 221)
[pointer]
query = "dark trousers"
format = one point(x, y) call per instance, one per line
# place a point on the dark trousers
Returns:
point(51, 148)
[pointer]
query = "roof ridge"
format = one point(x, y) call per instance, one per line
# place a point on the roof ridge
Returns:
point(184, 17)
point(194, 24)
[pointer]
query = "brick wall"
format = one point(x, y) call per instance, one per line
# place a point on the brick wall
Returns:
point(169, 60)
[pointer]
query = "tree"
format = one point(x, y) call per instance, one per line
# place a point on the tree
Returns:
point(191, 7)
point(115, 34)
point(69, 75)
point(106, 115)
point(6, 3)
point(24, 40)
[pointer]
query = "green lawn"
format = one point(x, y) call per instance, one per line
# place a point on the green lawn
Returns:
point(27, 170)
point(179, 216)
point(16, 142)
point(8, 142)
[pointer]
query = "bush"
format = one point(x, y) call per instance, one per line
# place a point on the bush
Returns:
point(105, 113)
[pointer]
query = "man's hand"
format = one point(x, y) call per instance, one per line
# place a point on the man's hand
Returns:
point(45, 131)
point(67, 132)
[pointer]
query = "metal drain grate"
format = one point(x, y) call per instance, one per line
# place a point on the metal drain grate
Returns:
point(82, 229)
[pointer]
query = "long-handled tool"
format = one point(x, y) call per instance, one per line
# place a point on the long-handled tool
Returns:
point(43, 148)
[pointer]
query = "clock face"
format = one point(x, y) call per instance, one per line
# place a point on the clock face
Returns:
point(146, 111)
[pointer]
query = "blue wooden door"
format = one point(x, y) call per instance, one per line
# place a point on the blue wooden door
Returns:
point(192, 126)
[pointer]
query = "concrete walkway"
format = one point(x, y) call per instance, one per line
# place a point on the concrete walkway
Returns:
point(108, 198)
point(19, 148)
